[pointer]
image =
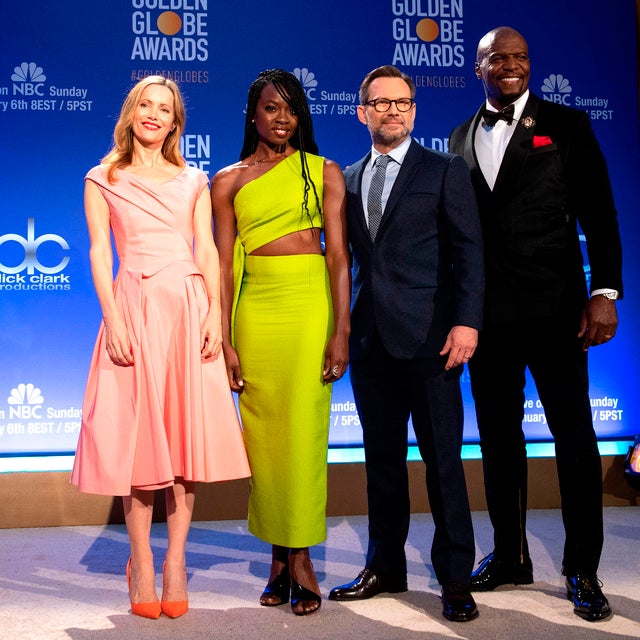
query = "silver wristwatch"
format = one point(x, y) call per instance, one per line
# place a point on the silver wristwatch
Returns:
point(610, 295)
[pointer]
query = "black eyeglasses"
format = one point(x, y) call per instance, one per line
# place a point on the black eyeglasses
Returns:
point(383, 104)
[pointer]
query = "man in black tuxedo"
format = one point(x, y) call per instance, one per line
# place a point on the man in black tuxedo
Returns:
point(538, 172)
point(417, 306)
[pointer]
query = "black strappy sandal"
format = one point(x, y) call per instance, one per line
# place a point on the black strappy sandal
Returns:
point(302, 594)
point(278, 588)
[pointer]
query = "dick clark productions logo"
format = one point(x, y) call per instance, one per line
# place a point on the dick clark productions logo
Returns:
point(30, 245)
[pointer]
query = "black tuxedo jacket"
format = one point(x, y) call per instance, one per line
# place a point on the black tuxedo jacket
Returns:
point(424, 272)
point(553, 176)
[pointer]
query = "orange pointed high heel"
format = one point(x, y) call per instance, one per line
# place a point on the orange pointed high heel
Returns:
point(173, 608)
point(142, 609)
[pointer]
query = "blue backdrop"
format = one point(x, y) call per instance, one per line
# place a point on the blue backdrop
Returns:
point(66, 67)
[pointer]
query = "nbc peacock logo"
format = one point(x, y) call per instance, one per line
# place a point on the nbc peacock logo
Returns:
point(556, 88)
point(25, 402)
point(28, 79)
point(307, 80)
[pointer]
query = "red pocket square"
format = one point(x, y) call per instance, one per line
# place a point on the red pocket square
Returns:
point(541, 141)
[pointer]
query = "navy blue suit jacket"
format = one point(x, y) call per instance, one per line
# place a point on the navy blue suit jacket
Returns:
point(424, 272)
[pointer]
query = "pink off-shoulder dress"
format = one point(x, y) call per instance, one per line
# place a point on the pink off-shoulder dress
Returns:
point(171, 414)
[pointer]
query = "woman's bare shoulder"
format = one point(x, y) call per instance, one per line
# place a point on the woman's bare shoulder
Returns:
point(229, 179)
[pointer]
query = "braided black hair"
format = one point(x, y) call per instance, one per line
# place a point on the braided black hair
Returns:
point(288, 86)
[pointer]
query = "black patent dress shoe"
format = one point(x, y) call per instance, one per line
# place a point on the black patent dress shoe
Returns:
point(492, 573)
point(585, 592)
point(366, 585)
point(458, 604)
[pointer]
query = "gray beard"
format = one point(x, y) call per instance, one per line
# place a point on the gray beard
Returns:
point(389, 140)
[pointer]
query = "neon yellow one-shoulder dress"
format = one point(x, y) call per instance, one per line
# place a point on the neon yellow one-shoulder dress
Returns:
point(282, 319)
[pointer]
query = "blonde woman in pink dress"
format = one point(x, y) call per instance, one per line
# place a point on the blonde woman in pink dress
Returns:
point(157, 412)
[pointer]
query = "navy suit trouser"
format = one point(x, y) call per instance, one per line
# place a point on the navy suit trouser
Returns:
point(387, 392)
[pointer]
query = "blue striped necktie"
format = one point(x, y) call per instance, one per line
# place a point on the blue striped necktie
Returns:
point(374, 197)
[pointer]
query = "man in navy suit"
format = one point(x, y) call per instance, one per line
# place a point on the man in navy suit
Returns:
point(538, 172)
point(417, 306)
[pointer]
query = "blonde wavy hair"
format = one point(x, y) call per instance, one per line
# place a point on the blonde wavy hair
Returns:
point(121, 153)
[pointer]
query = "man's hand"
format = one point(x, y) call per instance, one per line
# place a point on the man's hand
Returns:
point(460, 345)
point(599, 321)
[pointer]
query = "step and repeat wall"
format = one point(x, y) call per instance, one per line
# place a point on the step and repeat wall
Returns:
point(66, 67)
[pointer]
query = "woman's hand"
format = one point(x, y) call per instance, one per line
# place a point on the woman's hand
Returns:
point(117, 342)
point(233, 369)
point(336, 358)
point(211, 334)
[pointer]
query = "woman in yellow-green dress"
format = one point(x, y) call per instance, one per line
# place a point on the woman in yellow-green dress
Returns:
point(285, 304)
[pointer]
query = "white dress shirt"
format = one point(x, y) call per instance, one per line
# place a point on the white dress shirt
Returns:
point(491, 142)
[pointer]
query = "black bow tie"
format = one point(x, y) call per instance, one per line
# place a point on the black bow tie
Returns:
point(491, 117)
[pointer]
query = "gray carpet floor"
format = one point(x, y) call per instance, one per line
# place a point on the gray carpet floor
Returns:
point(68, 582)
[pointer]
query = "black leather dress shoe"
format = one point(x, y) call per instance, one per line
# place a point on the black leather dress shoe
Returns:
point(458, 604)
point(588, 600)
point(366, 585)
point(492, 572)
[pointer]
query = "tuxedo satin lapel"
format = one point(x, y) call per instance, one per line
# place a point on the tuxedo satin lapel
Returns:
point(480, 182)
point(517, 151)
point(469, 146)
